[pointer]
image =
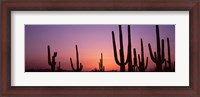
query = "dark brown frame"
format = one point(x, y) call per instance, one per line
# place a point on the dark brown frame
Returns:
point(193, 90)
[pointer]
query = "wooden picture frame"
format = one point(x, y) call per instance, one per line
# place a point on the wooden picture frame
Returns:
point(193, 90)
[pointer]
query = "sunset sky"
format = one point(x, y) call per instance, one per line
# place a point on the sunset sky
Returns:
point(92, 40)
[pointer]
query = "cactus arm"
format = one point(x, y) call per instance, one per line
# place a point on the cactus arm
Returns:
point(81, 67)
point(139, 60)
point(135, 57)
point(72, 65)
point(146, 63)
point(77, 58)
point(151, 53)
point(134, 60)
point(114, 48)
point(142, 52)
point(55, 54)
point(163, 52)
point(158, 42)
point(121, 40)
point(129, 47)
point(169, 56)
point(121, 46)
point(49, 56)
point(53, 59)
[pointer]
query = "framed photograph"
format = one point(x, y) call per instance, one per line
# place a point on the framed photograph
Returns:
point(143, 48)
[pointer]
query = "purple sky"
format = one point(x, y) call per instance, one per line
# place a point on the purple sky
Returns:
point(92, 40)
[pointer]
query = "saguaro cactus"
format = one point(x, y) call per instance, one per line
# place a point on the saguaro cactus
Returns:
point(169, 67)
point(157, 58)
point(59, 67)
point(142, 66)
point(51, 62)
point(134, 59)
point(120, 62)
point(131, 67)
point(101, 67)
point(78, 69)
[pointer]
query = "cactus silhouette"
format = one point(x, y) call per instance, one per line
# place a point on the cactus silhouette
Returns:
point(101, 67)
point(131, 67)
point(169, 66)
point(134, 59)
point(157, 58)
point(142, 66)
point(51, 62)
point(59, 67)
point(78, 69)
point(120, 62)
